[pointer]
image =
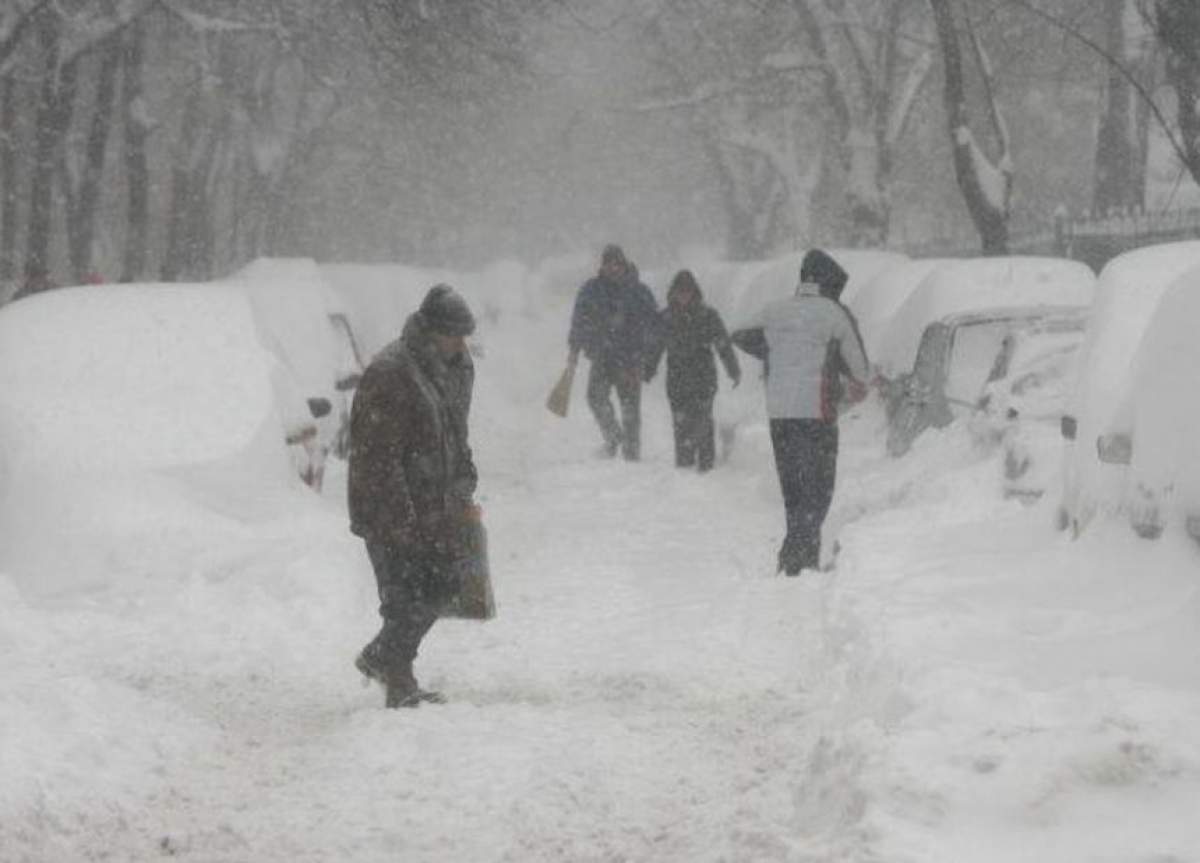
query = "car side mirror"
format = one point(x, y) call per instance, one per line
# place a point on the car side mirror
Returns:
point(319, 407)
point(347, 383)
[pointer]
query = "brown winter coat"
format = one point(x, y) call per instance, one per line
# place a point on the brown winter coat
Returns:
point(411, 472)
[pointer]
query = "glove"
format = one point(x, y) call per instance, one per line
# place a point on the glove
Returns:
point(856, 391)
point(737, 379)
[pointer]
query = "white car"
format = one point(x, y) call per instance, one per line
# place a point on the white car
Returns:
point(1006, 372)
point(1128, 292)
point(1153, 442)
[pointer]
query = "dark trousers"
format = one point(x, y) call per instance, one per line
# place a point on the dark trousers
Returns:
point(413, 590)
point(695, 438)
point(806, 460)
point(603, 377)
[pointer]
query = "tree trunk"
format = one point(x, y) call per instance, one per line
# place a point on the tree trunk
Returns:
point(178, 255)
point(986, 188)
point(46, 140)
point(137, 173)
point(1177, 23)
point(8, 179)
point(1120, 156)
point(82, 221)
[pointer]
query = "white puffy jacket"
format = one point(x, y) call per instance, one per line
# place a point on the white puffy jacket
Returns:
point(810, 340)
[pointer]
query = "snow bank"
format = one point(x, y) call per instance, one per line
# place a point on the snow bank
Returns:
point(1127, 293)
point(130, 377)
point(975, 285)
point(105, 395)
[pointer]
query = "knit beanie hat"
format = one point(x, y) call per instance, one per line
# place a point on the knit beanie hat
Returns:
point(818, 267)
point(445, 311)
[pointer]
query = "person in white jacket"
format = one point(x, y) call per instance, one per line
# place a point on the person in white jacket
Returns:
point(810, 346)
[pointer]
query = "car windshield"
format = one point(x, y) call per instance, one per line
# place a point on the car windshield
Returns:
point(979, 353)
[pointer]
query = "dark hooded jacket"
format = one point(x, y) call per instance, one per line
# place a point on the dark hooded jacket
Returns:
point(411, 473)
point(689, 334)
point(614, 321)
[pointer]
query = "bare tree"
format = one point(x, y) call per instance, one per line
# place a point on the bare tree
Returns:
point(875, 57)
point(985, 183)
point(136, 124)
point(1177, 24)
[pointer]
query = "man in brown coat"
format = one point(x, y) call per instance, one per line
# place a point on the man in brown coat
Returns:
point(411, 482)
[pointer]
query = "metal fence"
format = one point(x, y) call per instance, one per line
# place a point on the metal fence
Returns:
point(1092, 239)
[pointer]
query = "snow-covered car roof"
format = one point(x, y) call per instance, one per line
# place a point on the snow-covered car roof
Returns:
point(877, 301)
point(963, 286)
point(1127, 293)
point(134, 376)
point(779, 279)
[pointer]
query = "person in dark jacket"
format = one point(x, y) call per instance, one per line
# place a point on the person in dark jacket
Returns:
point(614, 324)
point(811, 344)
point(689, 333)
point(411, 482)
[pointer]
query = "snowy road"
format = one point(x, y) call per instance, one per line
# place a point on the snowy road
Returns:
point(966, 685)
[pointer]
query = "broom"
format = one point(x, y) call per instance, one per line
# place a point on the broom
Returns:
point(560, 397)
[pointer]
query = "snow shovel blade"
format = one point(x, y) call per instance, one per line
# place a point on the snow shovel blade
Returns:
point(560, 397)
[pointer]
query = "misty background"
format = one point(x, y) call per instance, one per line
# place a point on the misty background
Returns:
point(145, 140)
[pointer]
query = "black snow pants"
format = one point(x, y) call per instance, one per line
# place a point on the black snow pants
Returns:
point(413, 591)
point(606, 374)
point(695, 438)
point(806, 460)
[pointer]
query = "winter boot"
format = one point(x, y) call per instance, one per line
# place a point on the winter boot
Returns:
point(400, 686)
point(402, 689)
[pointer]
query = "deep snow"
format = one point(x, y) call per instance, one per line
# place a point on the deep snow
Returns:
point(967, 684)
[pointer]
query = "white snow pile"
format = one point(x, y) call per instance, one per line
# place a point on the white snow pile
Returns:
point(175, 659)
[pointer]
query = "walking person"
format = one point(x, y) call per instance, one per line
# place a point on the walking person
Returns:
point(690, 331)
point(613, 324)
point(411, 482)
point(810, 344)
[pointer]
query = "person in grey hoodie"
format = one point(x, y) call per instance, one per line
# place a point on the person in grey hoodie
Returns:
point(810, 346)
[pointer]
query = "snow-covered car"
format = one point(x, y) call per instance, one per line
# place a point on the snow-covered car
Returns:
point(1153, 440)
point(1128, 292)
point(1004, 370)
point(1022, 406)
point(967, 286)
point(133, 386)
point(302, 320)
